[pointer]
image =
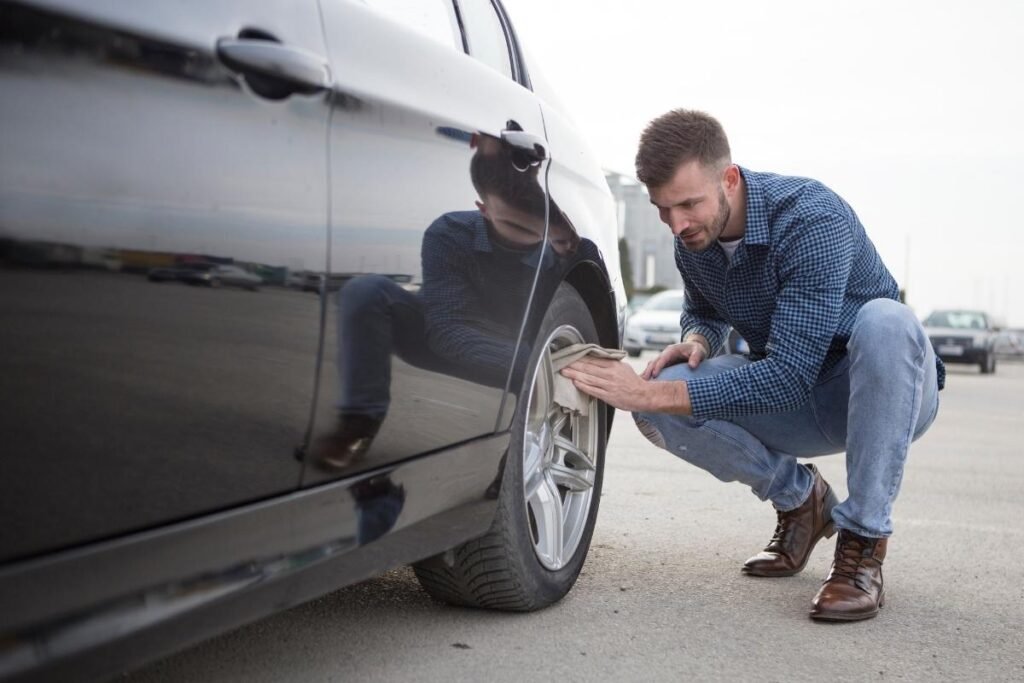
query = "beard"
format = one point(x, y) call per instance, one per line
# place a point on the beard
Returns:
point(717, 226)
point(722, 219)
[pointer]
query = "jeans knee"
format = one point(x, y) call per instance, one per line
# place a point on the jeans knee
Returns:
point(676, 373)
point(885, 322)
point(647, 424)
point(654, 426)
point(365, 285)
point(363, 291)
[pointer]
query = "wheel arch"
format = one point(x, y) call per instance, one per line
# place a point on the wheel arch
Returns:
point(591, 281)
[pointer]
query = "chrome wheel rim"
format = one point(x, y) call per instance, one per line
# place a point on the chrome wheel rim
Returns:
point(559, 462)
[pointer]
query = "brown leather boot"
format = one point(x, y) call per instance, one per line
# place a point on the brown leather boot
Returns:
point(853, 589)
point(796, 533)
point(351, 439)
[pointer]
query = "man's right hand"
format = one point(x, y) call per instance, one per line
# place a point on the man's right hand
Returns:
point(692, 352)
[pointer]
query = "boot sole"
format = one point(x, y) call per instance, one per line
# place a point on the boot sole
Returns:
point(844, 616)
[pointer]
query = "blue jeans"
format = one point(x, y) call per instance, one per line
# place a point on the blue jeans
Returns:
point(878, 399)
point(378, 319)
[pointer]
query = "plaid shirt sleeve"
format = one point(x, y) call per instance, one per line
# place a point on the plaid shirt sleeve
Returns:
point(455, 329)
point(813, 265)
point(700, 318)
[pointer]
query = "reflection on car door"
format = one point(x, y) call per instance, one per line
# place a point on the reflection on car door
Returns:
point(437, 227)
point(130, 403)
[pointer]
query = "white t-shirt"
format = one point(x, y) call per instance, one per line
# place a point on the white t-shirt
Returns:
point(730, 248)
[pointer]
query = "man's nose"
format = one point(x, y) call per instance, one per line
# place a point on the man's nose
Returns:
point(677, 222)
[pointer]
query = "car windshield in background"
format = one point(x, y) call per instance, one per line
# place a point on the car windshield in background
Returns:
point(961, 320)
point(665, 303)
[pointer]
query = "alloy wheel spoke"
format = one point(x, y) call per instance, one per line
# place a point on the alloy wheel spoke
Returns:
point(571, 478)
point(559, 419)
point(544, 388)
point(533, 485)
point(546, 504)
point(572, 454)
point(533, 456)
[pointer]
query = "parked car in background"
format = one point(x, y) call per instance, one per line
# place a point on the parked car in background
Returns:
point(217, 275)
point(635, 302)
point(964, 336)
point(655, 324)
point(303, 281)
point(1010, 344)
point(175, 465)
point(208, 274)
point(168, 273)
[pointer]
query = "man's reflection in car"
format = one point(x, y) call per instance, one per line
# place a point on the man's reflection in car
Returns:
point(478, 268)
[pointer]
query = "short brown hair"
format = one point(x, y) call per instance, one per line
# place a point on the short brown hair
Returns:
point(494, 173)
point(676, 138)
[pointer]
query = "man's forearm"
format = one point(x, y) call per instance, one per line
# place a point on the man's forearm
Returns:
point(670, 397)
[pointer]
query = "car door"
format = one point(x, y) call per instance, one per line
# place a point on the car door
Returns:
point(139, 136)
point(436, 161)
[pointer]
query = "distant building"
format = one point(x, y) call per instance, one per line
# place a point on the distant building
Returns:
point(649, 240)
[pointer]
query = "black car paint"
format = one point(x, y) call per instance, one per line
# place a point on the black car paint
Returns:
point(149, 476)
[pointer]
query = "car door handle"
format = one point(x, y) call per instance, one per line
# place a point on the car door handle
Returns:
point(272, 69)
point(533, 147)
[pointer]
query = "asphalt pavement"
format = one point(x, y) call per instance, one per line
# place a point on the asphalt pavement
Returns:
point(661, 597)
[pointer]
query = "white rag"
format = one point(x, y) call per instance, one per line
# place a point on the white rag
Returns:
point(566, 393)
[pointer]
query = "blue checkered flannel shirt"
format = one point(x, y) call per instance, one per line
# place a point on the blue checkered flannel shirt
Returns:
point(474, 291)
point(804, 268)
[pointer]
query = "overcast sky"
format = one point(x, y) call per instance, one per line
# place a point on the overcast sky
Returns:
point(912, 111)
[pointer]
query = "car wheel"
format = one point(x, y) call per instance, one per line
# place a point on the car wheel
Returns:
point(548, 500)
point(635, 353)
point(988, 364)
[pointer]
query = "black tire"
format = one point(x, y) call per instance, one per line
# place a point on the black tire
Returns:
point(988, 364)
point(634, 353)
point(502, 570)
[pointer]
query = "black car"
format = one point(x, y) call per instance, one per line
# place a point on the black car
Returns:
point(181, 460)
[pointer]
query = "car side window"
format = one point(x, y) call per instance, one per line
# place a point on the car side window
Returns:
point(485, 34)
point(434, 19)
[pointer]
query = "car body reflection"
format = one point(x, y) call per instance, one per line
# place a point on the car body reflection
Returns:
point(322, 153)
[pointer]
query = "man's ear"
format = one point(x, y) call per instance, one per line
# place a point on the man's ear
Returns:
point(731, 178)
point(483, 208)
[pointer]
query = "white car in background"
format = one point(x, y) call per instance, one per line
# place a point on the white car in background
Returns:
point(655, 324)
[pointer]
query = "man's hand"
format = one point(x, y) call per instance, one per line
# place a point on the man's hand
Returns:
point(618, 385)
point(691, 351)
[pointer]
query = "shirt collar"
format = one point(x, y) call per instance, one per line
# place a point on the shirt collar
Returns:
point(757, 212)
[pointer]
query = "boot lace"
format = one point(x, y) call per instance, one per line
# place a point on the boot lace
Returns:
point(851, 551)
point(781, 525)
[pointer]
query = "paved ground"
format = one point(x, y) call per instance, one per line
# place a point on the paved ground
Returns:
point(661, 596)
